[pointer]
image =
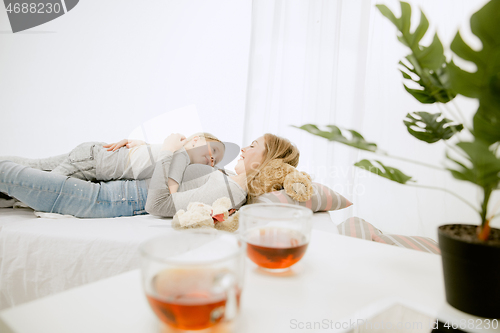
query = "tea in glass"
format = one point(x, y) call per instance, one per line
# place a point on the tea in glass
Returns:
point(277, 235)
point(193, 279)
point(275, 247)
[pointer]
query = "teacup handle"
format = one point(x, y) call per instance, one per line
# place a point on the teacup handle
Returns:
point(226, 282)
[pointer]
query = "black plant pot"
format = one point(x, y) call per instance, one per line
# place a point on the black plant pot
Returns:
point(471, 273)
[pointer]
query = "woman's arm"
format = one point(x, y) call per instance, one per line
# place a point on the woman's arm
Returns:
point(173, 186)
point(162, 203)
point(161, 184)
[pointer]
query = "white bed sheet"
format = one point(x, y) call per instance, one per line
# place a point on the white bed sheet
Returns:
point(42, 256)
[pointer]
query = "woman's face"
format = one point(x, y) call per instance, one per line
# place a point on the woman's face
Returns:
point(252, 156)
point(205, 152)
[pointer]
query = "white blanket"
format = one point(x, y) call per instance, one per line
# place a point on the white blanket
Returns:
point(43, 256)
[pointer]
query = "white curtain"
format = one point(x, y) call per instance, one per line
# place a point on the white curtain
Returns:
point(335, 62)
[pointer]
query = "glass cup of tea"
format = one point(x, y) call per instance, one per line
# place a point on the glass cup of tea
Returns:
point(277, 235)
point(193, 279)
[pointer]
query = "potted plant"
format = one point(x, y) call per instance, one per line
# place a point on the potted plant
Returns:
point(470, 253)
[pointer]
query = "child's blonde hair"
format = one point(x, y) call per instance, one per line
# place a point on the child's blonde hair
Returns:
point(207, 136)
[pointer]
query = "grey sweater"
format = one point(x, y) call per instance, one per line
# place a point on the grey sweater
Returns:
point(137, 163)
point(205, 189)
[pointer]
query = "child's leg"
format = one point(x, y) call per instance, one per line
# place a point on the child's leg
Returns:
point(45, 164)
point(80, 162)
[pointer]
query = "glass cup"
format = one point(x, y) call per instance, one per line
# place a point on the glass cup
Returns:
point(277, 235)
point(193, 279)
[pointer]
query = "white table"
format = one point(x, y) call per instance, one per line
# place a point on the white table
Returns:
point(42, 256)
point(338, 276)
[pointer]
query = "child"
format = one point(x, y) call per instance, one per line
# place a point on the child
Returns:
point(127, 160)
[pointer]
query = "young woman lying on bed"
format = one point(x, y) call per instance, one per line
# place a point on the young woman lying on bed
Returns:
point(53, 193)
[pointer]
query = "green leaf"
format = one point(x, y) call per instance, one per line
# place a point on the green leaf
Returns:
point(431, 57)
point(428, 64)
point(387, 13)
point(484, 83)
point(425, 126)
point(387, 172)
point(335, 134)
point(406, 76)
point(421, 95)
point(483, 167)
point(487, 125)
point(420, 31)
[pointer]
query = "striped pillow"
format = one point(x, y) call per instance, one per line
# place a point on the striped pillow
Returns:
point(359, 228)
point(323, 199)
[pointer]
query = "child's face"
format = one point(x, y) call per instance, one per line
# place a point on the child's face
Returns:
point(205, 152)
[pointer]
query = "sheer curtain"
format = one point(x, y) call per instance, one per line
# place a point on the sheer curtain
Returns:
point(335, 62)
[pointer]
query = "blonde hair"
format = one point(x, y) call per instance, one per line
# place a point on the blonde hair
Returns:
point(275, 147)
point(207, 136)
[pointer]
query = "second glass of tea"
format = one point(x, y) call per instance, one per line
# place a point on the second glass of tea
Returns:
point(277, 235)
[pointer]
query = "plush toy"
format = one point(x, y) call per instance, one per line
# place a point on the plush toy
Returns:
point(278, 175)
point(200, 215)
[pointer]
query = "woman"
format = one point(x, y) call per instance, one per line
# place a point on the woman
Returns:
point(48, 192)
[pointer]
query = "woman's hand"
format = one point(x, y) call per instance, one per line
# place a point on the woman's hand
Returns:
point(124, 142)
point(174, 142)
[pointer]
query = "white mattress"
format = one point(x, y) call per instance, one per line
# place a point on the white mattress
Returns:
point(42, 256)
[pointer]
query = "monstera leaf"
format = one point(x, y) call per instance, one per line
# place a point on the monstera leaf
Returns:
point(426, 65)
point(483, 168)
point(335, 134)
point(425, 126)
point(484, 83)
point(388, 172)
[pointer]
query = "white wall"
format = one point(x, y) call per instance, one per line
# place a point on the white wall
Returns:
point(106, 67)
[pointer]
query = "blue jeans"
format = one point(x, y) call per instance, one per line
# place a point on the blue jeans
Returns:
point(52, 193)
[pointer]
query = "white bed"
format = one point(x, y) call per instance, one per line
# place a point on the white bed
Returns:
point(42, 256)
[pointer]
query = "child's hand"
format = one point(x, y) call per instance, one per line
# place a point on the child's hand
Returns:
point(174, 142)
point(135, 143)
point(124, 142)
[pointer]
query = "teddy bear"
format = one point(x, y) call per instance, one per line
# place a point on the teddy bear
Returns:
point(200, 215)
point(277, 175)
